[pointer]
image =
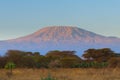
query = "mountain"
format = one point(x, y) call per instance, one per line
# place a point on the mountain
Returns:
point(60, 38)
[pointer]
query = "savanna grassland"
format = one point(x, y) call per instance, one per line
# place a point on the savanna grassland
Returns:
point(98, 64)
point(63, 74)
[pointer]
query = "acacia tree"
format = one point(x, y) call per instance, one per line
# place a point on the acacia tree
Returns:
point(99, 55)
point(69, 62)
point(88, 54)
point(63, 58)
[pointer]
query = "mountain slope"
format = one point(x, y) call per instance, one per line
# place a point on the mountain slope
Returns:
point(60, 38)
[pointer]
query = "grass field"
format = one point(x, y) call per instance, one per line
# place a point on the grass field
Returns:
point(62, 74)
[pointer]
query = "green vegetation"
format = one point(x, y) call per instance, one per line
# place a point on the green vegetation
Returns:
point(10, 66)
point(49, 77)
point(92, 58)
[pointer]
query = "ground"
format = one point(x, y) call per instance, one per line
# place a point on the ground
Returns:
point(62, 74)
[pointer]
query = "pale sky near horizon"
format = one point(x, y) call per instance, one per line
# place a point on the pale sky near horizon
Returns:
point(22, 17)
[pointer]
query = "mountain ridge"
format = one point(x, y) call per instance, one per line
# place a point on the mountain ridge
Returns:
point(60, 38)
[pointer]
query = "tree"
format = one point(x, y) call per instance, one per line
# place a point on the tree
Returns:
point(54, 64)
point(10, 66)
point(61, 54)
point(29, 54)
point(36, 54)
point(63, 58)
point(28, 62)
point(3, 61)
point(114, 62)
point(89, 54)
point(69, 62)
point(99, 55)
point(15, 56)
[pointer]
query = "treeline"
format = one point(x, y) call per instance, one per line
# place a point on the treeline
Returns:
point(92, 58)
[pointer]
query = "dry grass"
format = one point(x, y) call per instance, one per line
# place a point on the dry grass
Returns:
point(63, 74)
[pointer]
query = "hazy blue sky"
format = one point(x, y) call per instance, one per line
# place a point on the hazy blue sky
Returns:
point(22, 17)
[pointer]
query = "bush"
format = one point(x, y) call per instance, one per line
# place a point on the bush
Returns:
point(93, 64)
point(10, 66)
point(49, 77)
